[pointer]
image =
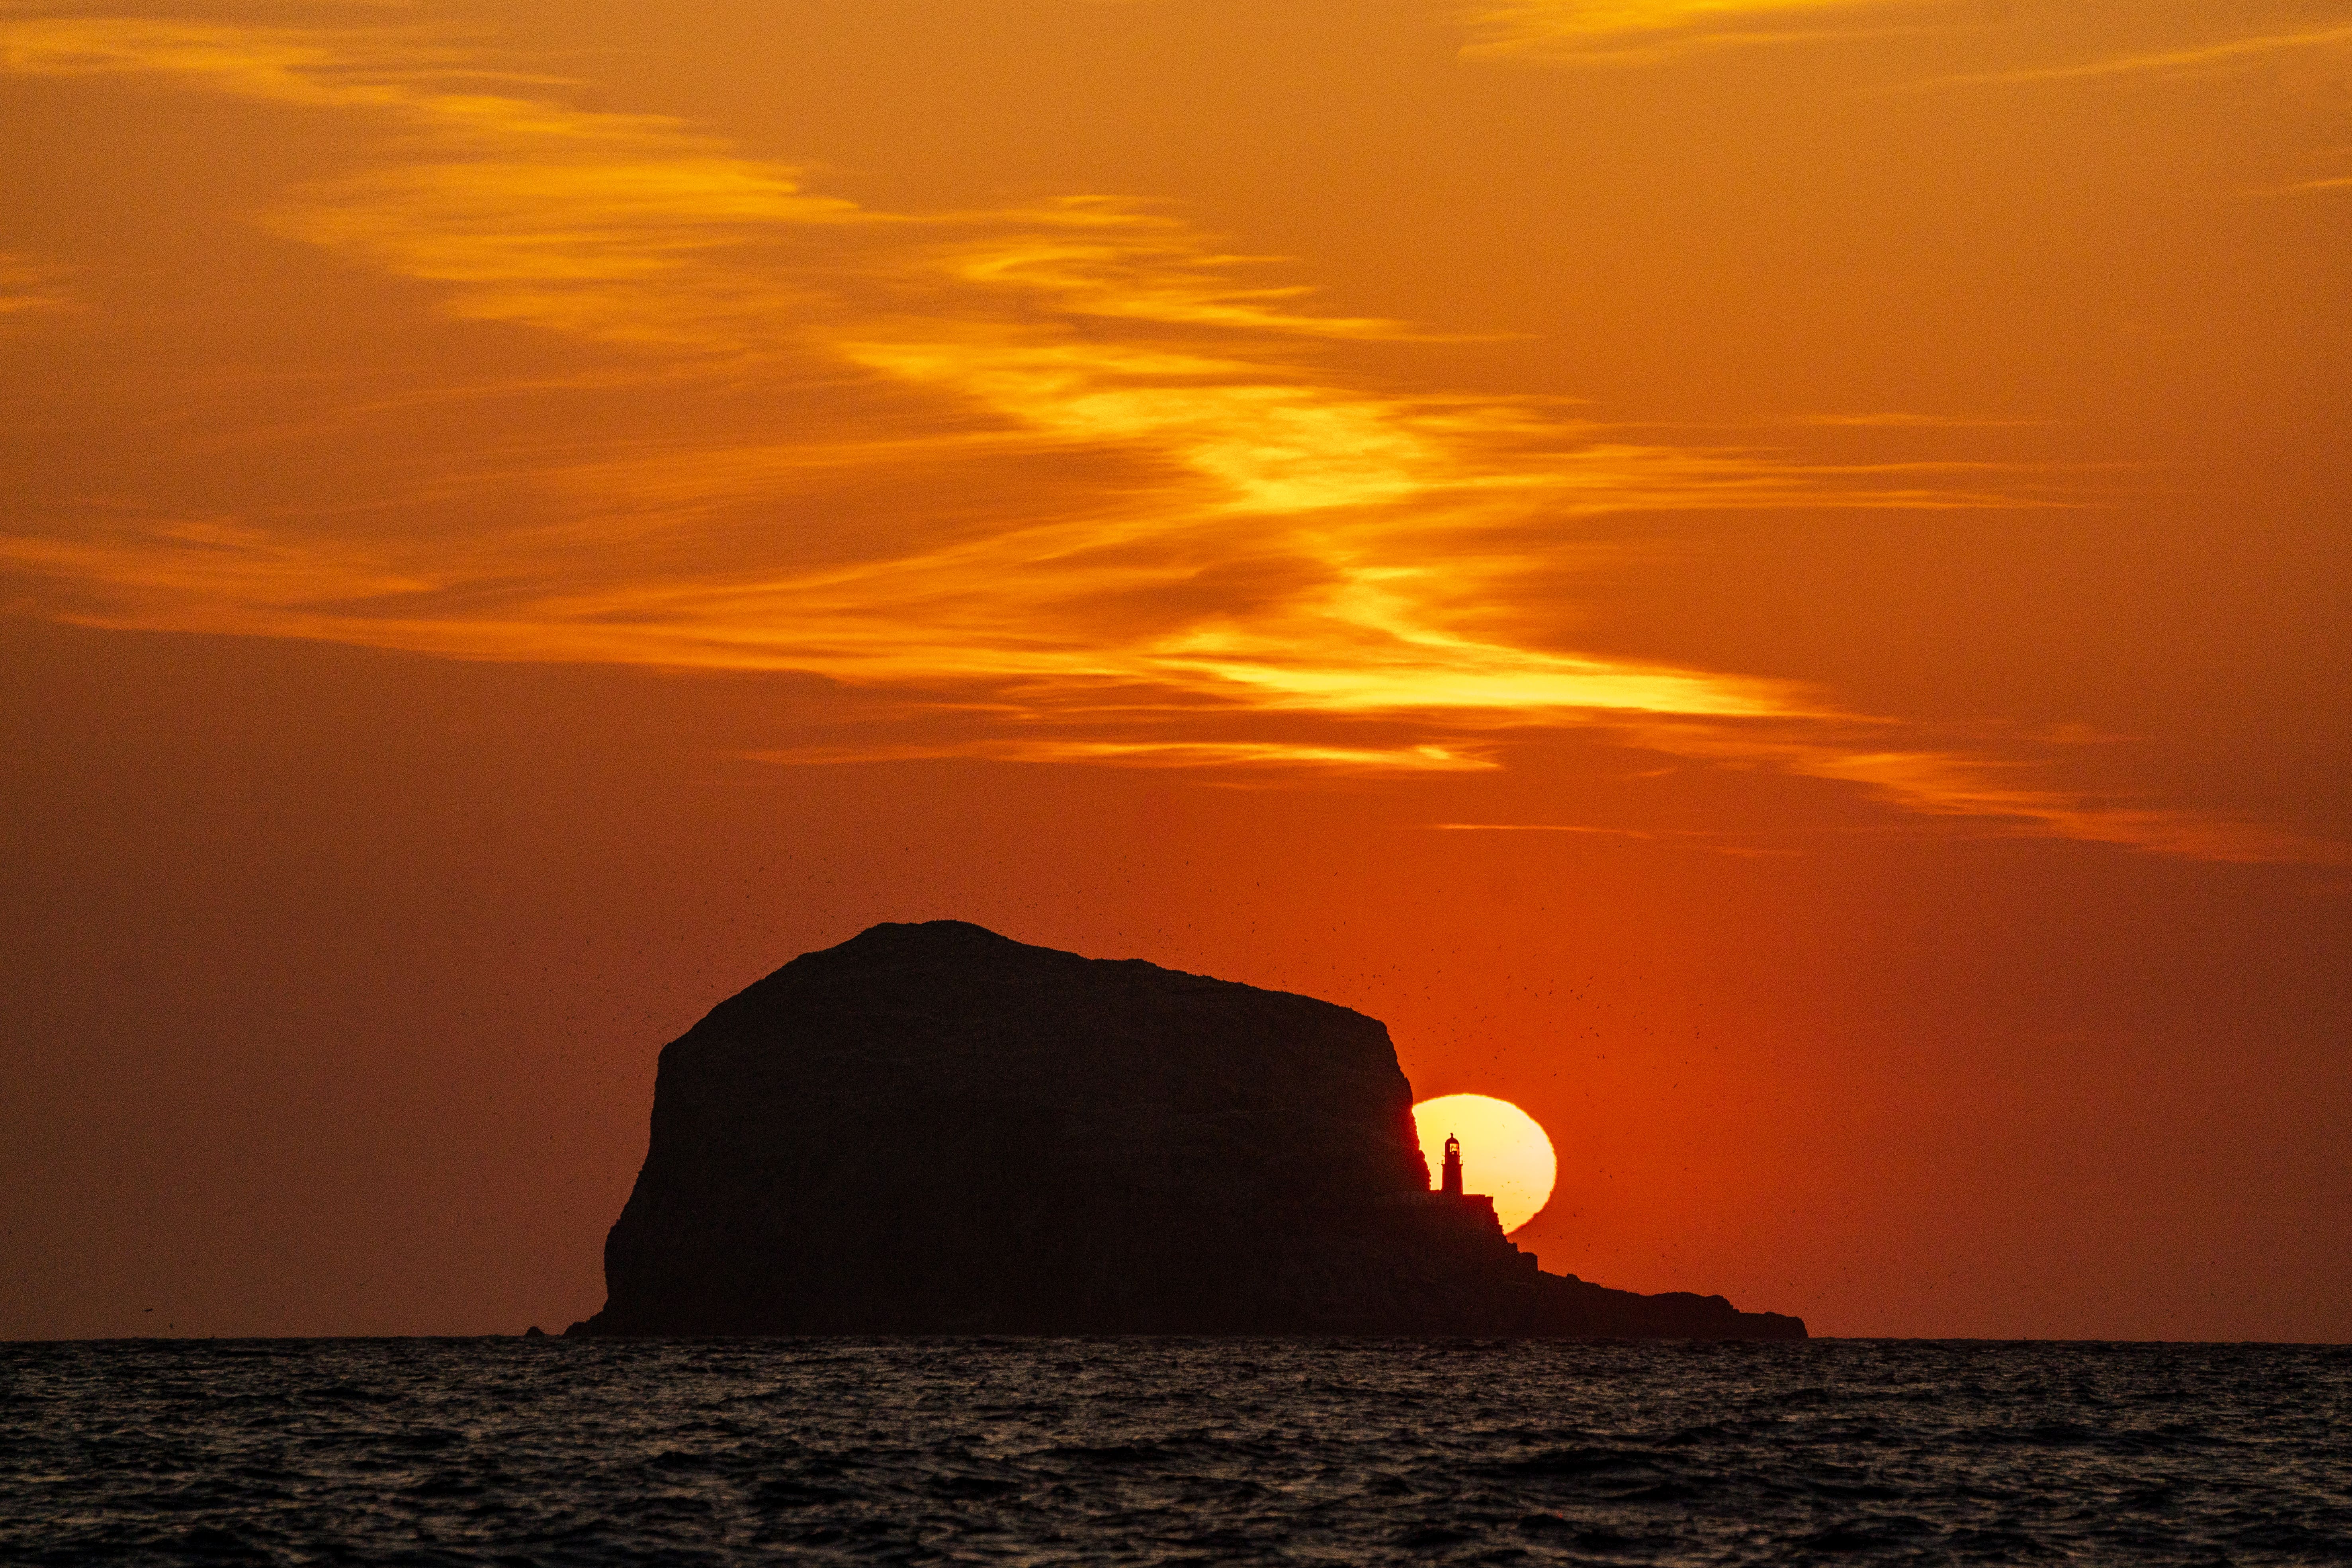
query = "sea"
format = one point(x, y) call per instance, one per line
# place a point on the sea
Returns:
point(547, 1451)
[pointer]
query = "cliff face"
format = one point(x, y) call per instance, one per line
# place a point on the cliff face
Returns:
point(932, 1129)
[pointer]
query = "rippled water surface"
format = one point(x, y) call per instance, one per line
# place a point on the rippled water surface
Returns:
point(1108, 1452)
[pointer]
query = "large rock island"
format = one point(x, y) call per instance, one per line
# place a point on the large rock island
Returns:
point(932, 1129)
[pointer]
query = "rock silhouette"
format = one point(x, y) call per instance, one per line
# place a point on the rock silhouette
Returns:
point(932, 1129)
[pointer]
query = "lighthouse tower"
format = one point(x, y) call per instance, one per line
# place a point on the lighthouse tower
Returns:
point(1450, 1183)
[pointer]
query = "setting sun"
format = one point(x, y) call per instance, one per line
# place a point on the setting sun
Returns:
point(1504, 1152)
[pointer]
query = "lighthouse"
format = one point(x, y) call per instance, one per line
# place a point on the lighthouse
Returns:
point(1450, 1183)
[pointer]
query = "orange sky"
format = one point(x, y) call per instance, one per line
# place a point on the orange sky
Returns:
point(1766, 579)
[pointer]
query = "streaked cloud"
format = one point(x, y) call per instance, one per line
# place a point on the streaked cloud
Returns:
point(1704, 841)
point(2010, 794)
point(1280, 755)
point(1639, 32)
point(1961, 785)
point(221, 575)
point(1407, 514)
point(2191, 60)
point(604, 225)
point(26, 285)
point(1094, 471)
point(1893, 421)
point(1103, 256)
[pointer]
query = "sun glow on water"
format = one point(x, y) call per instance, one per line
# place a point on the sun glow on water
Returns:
point(1505, 1151)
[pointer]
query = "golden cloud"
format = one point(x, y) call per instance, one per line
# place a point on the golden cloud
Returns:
point(27, 284)
point(1996, 791)
point(1638, 32)
point(2191, 60)
point(1076, 457)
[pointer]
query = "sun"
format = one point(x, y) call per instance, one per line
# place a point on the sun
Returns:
point(1504, 1153)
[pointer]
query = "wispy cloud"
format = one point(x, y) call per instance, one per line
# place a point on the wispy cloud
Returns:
point(2002, 793)
point(1641, 32)
point(27, 284)
point(2192, 60)
point(1274, 754)
point(1277, 536)
point(1074, 460)
point(1704, 842)
point(611, 225)
point(1895, 421)
point(1109, 257)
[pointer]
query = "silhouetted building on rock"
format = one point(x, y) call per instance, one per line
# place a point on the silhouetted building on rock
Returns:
point(1469, 1217)
point(931, 1129)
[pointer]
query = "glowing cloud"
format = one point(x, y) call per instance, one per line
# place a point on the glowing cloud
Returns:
point(1633, 32)
point(2194, 59)
point(632, 232)
point(1074, 461)
point(27, 285)
point(1997, 792)
point(1638, 32)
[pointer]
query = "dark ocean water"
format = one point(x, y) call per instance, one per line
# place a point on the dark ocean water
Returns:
point(1110, 1451)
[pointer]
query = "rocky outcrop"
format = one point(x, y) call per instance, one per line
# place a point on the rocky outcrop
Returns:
point(931, 1129)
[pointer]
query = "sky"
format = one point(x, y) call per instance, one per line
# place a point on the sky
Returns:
point(1767, 580)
